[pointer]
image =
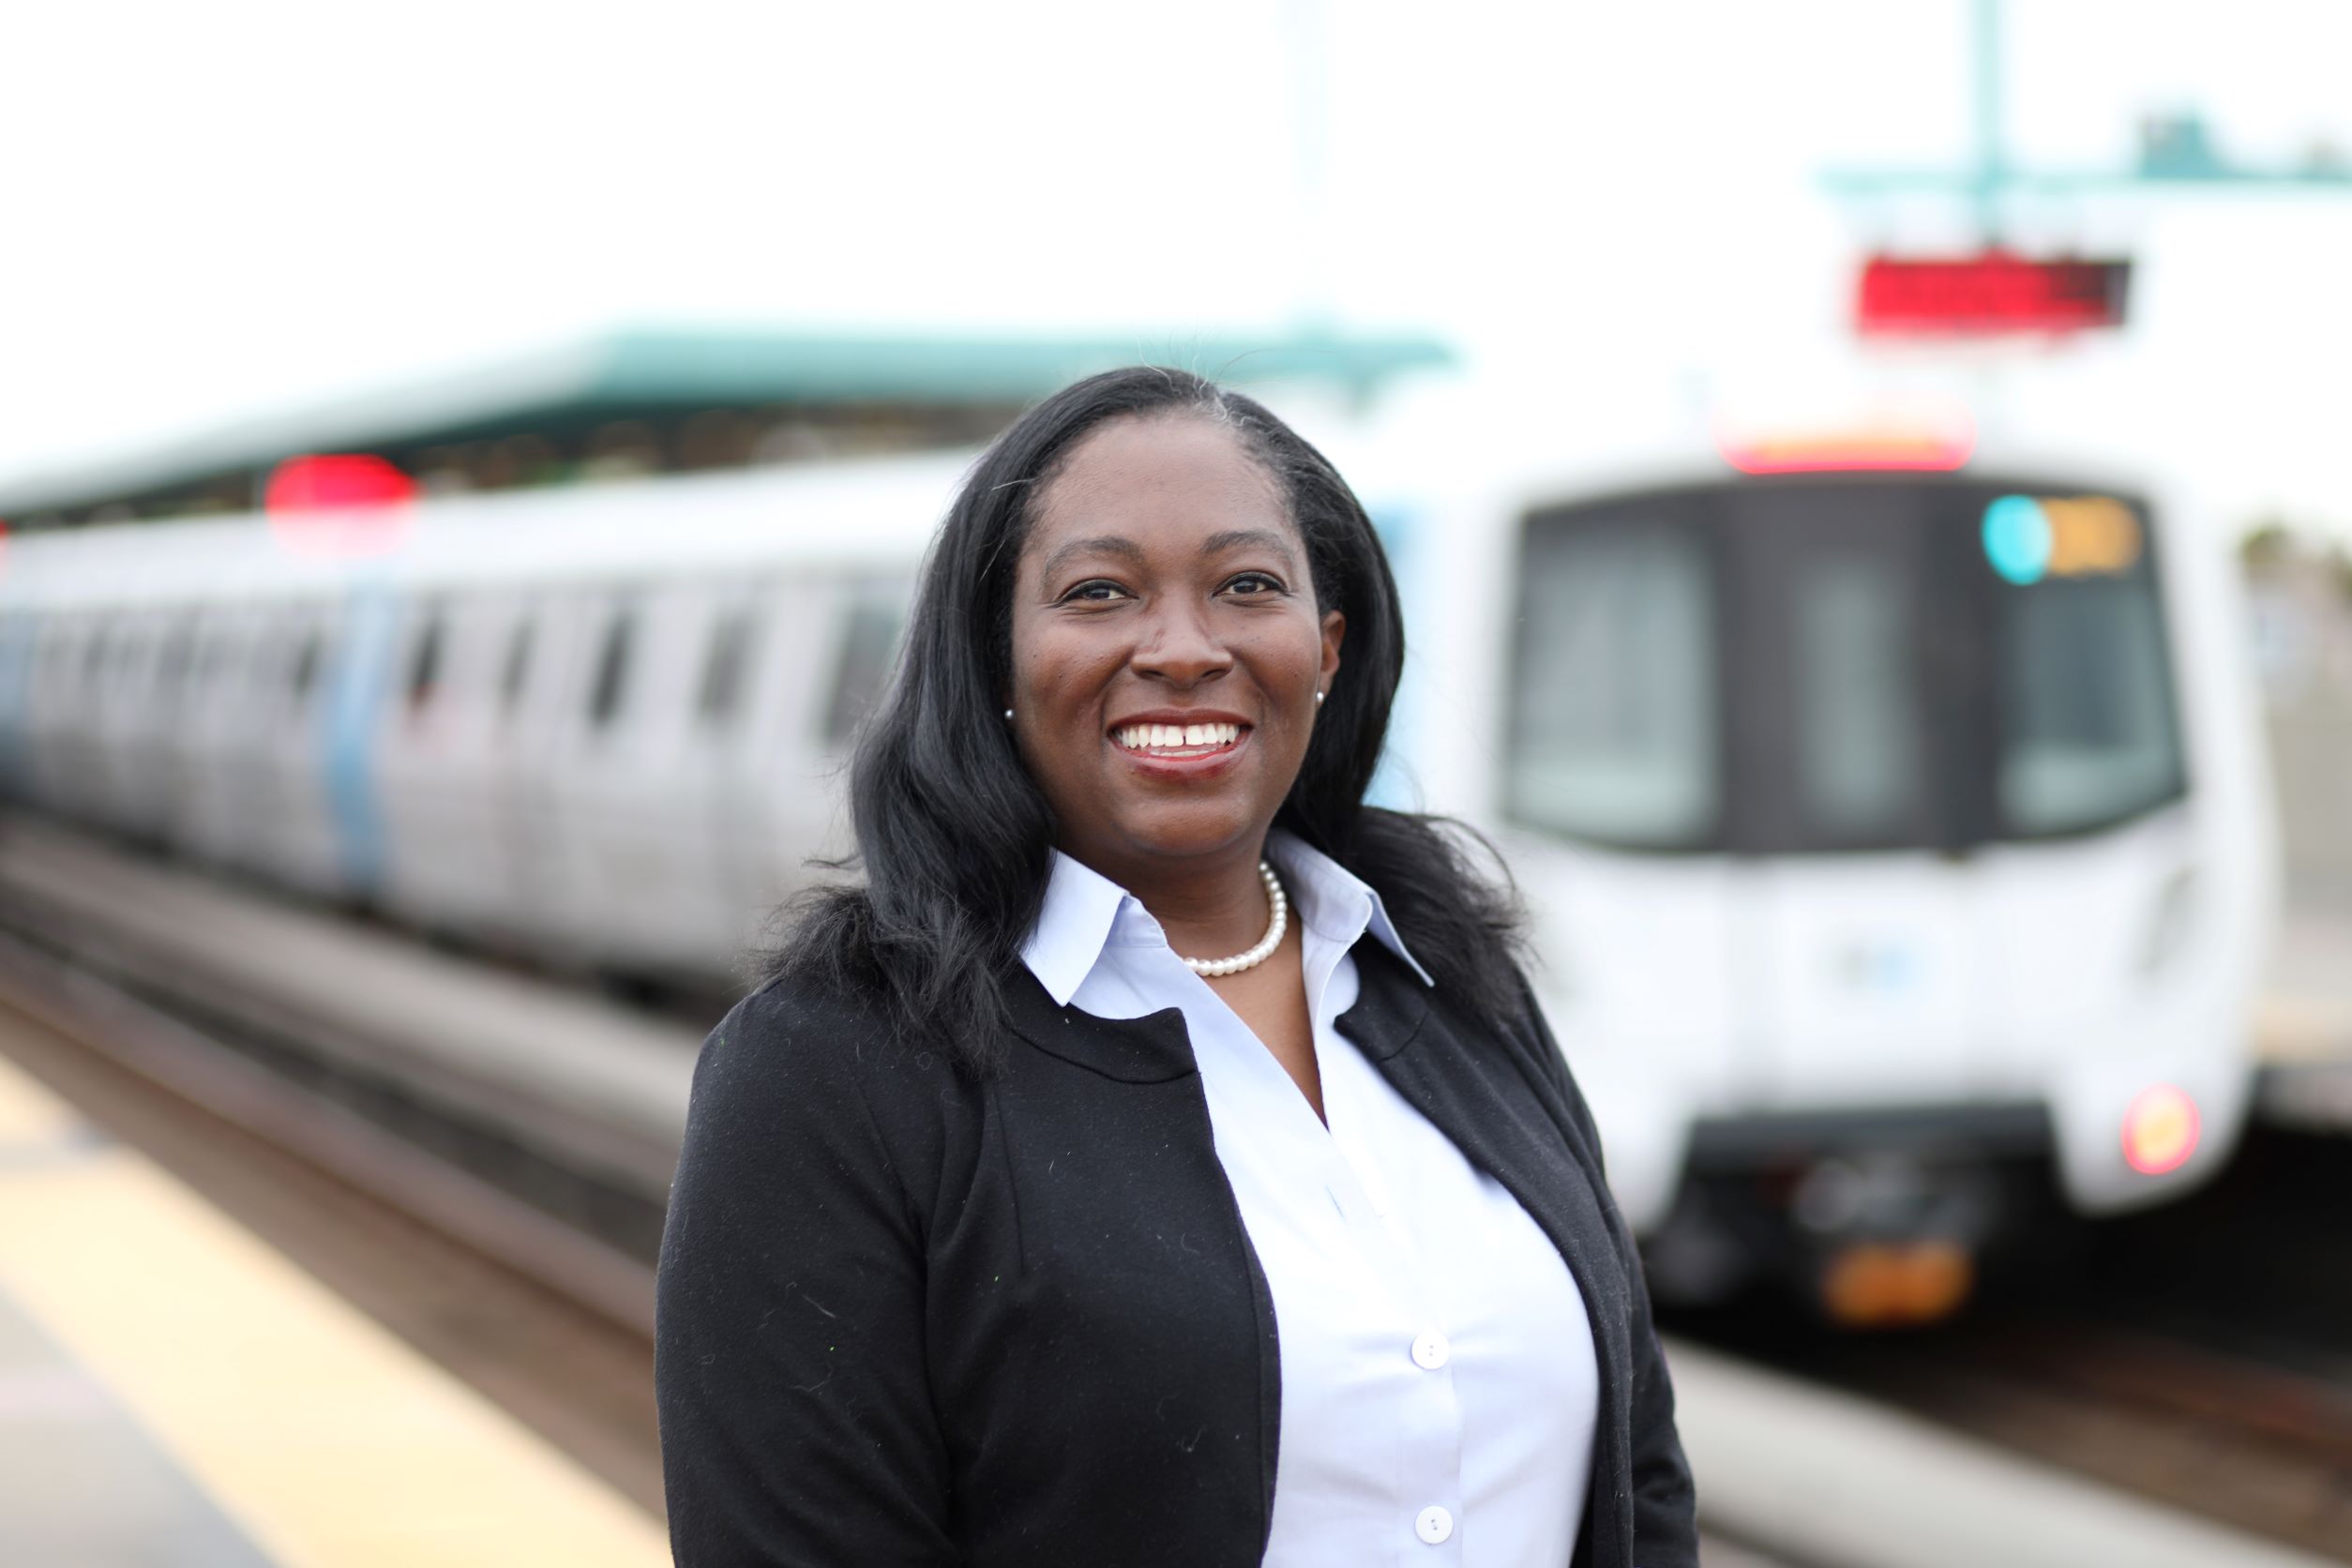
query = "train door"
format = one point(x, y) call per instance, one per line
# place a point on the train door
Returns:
point(214, 761)
point(766, 768)
point(543, 683)
point(18, 636)
point(1852, 797)
point(524, 639)
point(636, 795)
point(737, 629)
point(443, 864)
point(273, 673)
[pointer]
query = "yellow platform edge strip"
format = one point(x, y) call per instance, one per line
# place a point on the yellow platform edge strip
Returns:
point(331, 1442)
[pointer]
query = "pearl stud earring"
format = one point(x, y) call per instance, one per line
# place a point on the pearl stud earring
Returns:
point(1319, 697)
point(1008, 713)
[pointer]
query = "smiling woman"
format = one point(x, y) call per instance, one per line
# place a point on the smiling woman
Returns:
point(1058, 1198)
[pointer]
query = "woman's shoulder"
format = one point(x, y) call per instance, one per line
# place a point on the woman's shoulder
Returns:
point(797, 1048)
point(788, 1006)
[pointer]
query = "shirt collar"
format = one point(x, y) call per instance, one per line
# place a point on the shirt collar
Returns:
point(1082, 910)
point(1081, 907)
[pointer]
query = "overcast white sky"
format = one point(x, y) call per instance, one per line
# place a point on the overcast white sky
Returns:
point(221, 209)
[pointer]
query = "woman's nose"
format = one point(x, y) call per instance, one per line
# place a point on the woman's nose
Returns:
point(1178, 645)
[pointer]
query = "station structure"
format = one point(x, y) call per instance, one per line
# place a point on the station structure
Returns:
point(651, 400)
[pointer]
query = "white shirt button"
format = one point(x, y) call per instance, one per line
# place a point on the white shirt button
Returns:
point(1430, 1350)
point(1433, 1525)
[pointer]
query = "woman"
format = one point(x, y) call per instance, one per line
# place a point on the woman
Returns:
point(1004, 1234)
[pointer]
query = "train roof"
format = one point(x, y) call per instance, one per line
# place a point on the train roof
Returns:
point(873, 515)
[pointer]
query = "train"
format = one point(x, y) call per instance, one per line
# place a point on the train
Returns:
point(1898, 821)
point(1897, 834)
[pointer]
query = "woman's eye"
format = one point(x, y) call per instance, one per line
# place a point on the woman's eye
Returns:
point(1253, 585)
point(1095, 592)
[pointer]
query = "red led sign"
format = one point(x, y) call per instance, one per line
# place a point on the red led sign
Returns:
point(1989, 295)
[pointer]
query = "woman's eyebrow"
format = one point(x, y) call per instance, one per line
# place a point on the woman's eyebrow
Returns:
point(1102, 544)
point(1239, 538)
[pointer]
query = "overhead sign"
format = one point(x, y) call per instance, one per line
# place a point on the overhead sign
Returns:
point(1989, 295)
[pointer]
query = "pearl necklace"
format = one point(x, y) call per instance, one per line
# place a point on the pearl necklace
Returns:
point(1280, 904)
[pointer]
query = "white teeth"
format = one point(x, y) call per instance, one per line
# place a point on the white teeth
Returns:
point(1138, 737)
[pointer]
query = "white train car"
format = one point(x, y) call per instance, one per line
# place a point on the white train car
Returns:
point(596, 725)
point(1897, 839)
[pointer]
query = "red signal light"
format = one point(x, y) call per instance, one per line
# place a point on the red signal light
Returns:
point(334, 482)
point(338, 503)
point(1989, 295)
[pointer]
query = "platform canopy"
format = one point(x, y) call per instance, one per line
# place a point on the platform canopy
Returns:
point(656, 400)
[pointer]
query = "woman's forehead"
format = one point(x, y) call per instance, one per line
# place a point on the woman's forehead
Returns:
point(1153, 479)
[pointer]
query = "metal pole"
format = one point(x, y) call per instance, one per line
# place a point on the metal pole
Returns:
point(1989, 169)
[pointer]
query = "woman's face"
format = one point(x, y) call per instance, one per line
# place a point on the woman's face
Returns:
point(1167, 647)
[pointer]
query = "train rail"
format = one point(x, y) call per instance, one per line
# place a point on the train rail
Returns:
point(2196, 1356)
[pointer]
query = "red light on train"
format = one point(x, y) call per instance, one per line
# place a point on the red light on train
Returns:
point(334, 482)
point(1989, 294)
point(338, 503)
point(2159, 1130)
point(1936, 441)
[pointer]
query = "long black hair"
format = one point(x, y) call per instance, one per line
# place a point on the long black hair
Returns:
point(954, 837)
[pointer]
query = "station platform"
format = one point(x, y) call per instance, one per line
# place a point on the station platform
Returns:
point(174, 1394)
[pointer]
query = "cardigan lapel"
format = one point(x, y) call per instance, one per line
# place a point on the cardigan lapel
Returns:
point(1153, 1048)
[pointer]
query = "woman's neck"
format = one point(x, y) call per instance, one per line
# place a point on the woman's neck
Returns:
point(1209, 907)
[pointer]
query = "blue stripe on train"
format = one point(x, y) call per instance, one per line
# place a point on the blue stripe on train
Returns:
point(357, 683)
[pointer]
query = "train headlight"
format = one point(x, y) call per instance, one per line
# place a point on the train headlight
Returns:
point(2159, 1130)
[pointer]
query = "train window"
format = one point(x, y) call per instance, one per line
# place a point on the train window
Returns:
point(1857, 758)
point(1614, 718)
point(2085, 701)
point(517, 667)
point(869, 641)
point(724, 667)
point(424, 670)
point(612, 669)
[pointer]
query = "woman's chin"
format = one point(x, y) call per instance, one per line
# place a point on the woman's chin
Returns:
point(1197, 830)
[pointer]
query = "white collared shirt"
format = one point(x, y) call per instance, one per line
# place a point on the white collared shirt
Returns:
point(1439, 1386)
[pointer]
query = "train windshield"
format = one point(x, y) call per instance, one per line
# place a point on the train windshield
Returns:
point(1792, 666)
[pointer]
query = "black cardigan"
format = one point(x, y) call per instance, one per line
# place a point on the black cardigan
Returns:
point(906, 1317)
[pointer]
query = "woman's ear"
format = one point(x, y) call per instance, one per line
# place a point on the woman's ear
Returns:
point(1334, 629)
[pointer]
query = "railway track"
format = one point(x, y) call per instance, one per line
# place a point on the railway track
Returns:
point(2200, 1357)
